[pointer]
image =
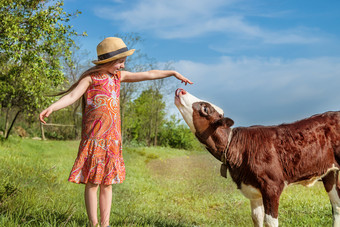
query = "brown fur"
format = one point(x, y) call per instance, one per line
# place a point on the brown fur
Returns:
point(268, 157)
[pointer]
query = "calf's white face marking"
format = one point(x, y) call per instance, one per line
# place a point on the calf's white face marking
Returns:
point(184, 101)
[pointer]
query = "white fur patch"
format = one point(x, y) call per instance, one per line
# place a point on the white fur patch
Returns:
point(270, 221)
point(184, 104)
point(333, 195)
point(250, 192)
point(335, 201)
point(257, 211)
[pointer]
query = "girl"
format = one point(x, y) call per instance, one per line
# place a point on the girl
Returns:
point(99, 162)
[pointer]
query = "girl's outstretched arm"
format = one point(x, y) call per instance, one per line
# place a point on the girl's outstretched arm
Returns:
point(152, 75)
point(68, 99)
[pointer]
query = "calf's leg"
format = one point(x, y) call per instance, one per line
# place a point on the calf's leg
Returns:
point(271, 207)
point(332, 186)
point(257, 212)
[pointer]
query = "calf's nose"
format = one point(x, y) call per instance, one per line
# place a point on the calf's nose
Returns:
point(180, 91)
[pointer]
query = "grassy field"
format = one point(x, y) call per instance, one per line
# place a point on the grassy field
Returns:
point(164, 187)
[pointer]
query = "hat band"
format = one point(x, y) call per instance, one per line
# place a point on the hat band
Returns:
point(113, 53)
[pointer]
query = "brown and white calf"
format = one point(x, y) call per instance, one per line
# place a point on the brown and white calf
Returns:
point(262, 160)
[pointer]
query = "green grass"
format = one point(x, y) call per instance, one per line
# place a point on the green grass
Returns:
point(163, 187)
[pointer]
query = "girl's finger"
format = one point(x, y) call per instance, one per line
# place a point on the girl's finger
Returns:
point(42, 119)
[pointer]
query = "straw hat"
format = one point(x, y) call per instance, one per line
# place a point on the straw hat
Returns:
point(110, 49)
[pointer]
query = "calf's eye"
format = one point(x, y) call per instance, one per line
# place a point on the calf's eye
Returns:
point(205, 110)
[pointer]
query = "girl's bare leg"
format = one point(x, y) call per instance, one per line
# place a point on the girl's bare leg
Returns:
point(91, 202)
point(105, 199)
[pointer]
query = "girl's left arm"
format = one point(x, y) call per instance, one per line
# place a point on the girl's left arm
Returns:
point(68, 99)
point(152, 75)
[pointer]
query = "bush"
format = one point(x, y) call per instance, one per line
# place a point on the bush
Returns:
point(177, 135)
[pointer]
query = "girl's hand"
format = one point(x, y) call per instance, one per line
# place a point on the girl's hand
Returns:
point(182, 78)
point(45, 113)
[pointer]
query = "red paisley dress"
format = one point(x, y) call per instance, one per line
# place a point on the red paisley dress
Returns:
point(100, 159)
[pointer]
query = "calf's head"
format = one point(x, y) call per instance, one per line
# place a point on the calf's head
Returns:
point(205, 119)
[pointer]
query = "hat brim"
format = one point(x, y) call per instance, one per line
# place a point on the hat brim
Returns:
point(118, 56)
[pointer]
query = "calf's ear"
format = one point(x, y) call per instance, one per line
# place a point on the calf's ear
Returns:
point(227, 122)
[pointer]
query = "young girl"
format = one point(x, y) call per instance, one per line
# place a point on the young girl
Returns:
point(99, 161)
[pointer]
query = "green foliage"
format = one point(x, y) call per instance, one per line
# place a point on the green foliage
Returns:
point(145, 124)
point(34, 37)
point(177, 135)
point(144, 117)
point(7, 190)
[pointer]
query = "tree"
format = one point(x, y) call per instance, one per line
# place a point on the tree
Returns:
point(145, 117)
point(34, 37)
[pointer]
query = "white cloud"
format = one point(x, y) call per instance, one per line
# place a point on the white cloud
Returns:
point(266, 90)
point(191, 18)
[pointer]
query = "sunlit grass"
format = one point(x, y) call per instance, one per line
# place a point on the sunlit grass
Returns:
point(163, 187)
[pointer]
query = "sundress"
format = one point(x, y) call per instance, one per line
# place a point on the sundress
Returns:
point(99, 159)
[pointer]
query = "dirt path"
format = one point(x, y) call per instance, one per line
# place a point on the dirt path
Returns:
point(194, 166)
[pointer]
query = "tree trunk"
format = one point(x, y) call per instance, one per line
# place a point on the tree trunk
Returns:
point(10, 128)
point(6, 122)
point(156, 128)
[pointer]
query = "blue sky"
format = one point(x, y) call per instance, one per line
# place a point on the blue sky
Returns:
point(263, 62)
